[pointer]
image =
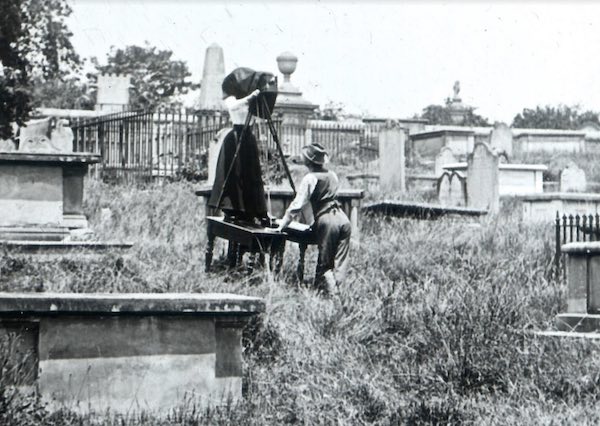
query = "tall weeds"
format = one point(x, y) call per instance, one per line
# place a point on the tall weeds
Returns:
point(434, 325)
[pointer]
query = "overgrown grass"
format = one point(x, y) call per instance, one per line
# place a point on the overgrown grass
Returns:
point(434, 326)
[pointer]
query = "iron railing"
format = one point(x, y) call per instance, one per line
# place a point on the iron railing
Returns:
point(574, 228)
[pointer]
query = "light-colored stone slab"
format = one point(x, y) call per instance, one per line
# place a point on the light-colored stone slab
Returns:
point(392, 162)
point(458, 196)
point(572, 178)
point(113, 92)
point(482, 179)
point(213, 73)
point(7, 145)
point(501, 139)
point(577, 284)
point(31, 195)
point(443, 189)
point(445, 156)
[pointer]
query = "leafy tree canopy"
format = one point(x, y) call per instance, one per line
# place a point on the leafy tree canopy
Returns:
point(34, 43)
point(156, 78)
point(69, 93)
point(331, 111)
point(554, 117)
point(441, 114)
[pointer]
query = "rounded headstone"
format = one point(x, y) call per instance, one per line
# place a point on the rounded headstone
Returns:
point(501, 139)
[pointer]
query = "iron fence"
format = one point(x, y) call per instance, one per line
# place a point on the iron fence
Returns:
point(141, 145)
point(574, 228)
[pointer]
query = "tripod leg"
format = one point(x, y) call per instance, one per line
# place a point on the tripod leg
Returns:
point(276, 139)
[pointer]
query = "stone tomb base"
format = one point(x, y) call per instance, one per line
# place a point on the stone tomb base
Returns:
point(41, 195)
point(130, 352)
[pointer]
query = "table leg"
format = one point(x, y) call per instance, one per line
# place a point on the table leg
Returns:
point(239, 254)
point(231, 253)
point(300, 270)
point(277, 253)
point(210, 245)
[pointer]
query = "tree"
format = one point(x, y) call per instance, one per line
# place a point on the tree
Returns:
point(34, 42)
point(554, 117)
point(440, 114)
point(73, 92)
point(157, 79)
point(331, 111)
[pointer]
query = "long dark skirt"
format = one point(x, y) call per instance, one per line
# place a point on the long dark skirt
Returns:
point(244, 193)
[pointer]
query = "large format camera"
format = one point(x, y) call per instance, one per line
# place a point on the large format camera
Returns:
point(241, 82)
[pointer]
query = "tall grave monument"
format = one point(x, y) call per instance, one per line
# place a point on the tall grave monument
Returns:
point(294, 110)
point(213, 73)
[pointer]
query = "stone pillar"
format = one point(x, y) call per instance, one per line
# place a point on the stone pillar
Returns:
point(482, 179)
point(213, 73)
point(291, 106)
point(391, 158)
point(583, 288)
point(113, 92)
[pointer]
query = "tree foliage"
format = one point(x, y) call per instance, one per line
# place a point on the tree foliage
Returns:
point(73, 92)
point(441, 114)
point(156, 79)
point(34, 43)
point(554, 117)
point(331, 111)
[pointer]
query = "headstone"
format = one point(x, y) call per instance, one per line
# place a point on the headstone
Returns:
point(458, 196)
point(445, 156)
point(213, 153)
point(391, 158)
point(572, 179)
point(61, 137)
point(113, 92)
point(7, 145)
point(501, 139)
point(482, 179)
point(443, 189)
point(46, 135)
point(213, 73)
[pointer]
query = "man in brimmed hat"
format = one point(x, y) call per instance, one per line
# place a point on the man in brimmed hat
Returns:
point(319, 188)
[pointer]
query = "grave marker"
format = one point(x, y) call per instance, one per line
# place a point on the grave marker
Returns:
point(391, 158)
point(572, 179)
point(445, 156)
point(482, 179)
point(501, 139)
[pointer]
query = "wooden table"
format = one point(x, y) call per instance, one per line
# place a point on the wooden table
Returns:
point(280, 199)
point(255, 239)
point(243, 238)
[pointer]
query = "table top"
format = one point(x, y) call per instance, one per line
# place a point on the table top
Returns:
point(297, 232)
point(205, 191)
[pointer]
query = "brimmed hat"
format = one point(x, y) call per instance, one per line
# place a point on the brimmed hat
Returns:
point(314, 153)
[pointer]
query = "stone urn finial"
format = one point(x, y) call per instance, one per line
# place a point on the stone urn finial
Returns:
point(287, 65)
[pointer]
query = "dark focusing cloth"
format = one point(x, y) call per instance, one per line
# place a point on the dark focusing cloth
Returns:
point(244, 193)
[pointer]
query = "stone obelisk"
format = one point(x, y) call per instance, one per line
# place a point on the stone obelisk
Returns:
point(211, 95)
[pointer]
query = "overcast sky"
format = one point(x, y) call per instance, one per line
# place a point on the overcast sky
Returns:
point(390, 59)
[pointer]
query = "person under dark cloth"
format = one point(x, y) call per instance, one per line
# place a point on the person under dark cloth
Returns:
point(332, 228)
point(243, 194)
